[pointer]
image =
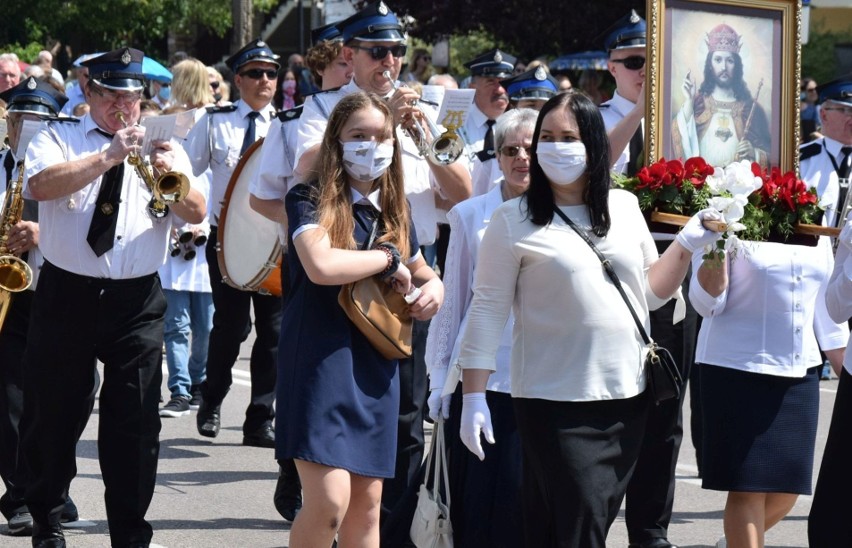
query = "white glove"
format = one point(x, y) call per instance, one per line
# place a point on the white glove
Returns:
point(476, 419)
point(438, 406)
point(694, 236)
point(845, 237)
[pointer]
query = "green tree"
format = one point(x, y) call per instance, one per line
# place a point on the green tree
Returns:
point(818, 57)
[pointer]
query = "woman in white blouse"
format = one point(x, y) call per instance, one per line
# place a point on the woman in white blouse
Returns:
point(577, 376)
point(492, 487)
point(765, 321)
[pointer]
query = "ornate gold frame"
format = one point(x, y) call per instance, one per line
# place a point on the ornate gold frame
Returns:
point(657, 129)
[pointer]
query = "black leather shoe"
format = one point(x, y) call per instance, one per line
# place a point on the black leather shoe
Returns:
point(69, 511)
point(21, 524)
point(262, 437)
point(48, 536)
point(288, 491)
point(653, 543)
point(207, 420)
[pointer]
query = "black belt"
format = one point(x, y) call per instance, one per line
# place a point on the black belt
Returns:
point(104, 283)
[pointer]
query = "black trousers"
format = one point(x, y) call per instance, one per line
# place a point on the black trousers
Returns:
point(399, 495)
point(75, 321)
point(650, 493)
point(828, 523)
point(231, 326)
point(13, 341)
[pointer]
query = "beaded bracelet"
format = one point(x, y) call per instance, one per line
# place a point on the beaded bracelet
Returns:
point(393, 260)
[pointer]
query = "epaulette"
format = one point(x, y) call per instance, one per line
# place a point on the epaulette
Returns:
point(216, 110)
point(319, 92)
point(810, 150)
point(290, 114)
point(604, 106)
point(66, 119)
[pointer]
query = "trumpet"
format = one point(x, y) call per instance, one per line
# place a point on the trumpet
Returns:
point(169, 188)
point(444, 148)
point(15, 274)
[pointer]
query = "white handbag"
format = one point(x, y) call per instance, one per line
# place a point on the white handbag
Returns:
point(431, 527)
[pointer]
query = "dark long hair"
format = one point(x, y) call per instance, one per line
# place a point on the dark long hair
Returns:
point(738, 84)
point(539, 196)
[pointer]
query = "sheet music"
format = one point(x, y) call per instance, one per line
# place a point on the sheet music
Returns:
point(157, 128)
point(455, 106)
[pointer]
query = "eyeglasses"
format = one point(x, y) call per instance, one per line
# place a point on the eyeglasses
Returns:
point(847, 111)
point(634, 62)
point(810, 90)
point(257, 74)
point(115, 96)
point(380, 52)
point(214, 85)
point(511, 151)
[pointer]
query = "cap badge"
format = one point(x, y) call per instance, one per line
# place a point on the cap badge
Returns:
point(540, 74)
point(634, 17)
point(31, 83)
point(290, 113)
point(382, 8)
point(498, 57)
point(125, 57)
point(260, 44)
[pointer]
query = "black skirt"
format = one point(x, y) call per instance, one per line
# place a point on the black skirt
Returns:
point(759, 430)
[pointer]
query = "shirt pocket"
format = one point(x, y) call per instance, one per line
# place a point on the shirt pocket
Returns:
point(225, 154)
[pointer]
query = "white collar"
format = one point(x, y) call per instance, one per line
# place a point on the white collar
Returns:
point(266, 113)
point(619, 104)
point(372, 198)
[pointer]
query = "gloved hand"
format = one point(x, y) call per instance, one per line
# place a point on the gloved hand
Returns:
point(438, 406)
point(476, 419)
point(694, 236)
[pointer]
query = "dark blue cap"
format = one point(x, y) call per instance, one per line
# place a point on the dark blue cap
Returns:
point(256, 50)
point(34, 96)
point(838, 91)
point(374, 23)
point(328, 32)
point(627, 32)
point(494, 62)
point(533, 84)
point(117, 69)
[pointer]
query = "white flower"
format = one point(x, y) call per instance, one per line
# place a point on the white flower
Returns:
point(731, 208)
point(736, 179)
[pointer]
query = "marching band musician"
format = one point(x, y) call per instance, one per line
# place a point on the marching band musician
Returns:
point(32, 99)
point(531, 89)
point(275, 177)
point(218, 140)
point(99, 298)
point(374, 43)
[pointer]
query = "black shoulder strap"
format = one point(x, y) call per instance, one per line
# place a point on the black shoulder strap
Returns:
point(289, 115)
point(810, 150)
point(226, 108)
point(609, 270)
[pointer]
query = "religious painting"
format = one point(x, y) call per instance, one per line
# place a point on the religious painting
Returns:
point(723, 78)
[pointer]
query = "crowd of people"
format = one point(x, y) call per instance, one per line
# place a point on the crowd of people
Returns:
point(522, 348)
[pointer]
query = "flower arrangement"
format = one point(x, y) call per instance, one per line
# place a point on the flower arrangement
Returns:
point(753, 203)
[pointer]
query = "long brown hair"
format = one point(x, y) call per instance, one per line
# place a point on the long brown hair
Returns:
point(334, 198)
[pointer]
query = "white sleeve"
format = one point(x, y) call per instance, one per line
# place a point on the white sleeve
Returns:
point(838, 294)
point(312, 126)
point(270, 181)
point(197, 145)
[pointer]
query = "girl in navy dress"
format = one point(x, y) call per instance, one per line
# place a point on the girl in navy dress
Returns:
point(338, 398)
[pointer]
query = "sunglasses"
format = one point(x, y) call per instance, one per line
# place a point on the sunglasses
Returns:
point(380, 52)
point(257, 74)
point(847, 111)
point(214, 85)
point(511, 151)
point(634, 62)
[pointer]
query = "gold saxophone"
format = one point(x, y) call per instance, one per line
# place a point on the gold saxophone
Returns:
point(169, 188)
point(15, 274)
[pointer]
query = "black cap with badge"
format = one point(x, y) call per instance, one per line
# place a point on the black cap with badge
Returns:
point(34, 96)
point(627, 32)
point(256, 50)
point(374, 23)
point(533, 84)
point(493, 63)
point(117, 69)
point(324, 33)
point(837, 91)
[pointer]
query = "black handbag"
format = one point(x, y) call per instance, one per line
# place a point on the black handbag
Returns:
point(661, 371)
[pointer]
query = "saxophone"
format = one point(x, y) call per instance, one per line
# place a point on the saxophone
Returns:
point(15, 274)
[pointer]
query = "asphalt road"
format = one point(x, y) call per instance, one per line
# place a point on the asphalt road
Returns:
point(217, 493)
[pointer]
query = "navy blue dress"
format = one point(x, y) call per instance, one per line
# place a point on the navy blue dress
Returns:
point(337, 397)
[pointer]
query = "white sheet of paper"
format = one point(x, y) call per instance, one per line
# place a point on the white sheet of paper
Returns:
point(157, 128)
point(455, 106)
point(433, 95)
point(28, 131)
point(3, 131)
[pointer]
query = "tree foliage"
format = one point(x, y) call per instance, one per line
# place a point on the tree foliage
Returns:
point(818, 58)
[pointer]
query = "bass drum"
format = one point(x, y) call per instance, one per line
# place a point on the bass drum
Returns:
point(248, 249)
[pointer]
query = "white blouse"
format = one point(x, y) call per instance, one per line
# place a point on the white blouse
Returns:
point(468, 221)
point(772, 318)
point(574, 338)
point(838, 295)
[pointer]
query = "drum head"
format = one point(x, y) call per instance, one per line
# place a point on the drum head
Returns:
point(249, 249)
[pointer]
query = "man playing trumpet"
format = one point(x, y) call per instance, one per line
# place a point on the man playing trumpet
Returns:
point(99, 298)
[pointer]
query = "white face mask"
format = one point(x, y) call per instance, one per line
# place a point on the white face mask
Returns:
point(563, 163)
point(366, 160)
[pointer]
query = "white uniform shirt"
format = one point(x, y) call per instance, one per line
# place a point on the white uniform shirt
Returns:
point(838, 296)
point(177, 273)
point(420, 184)
point(34, 258)
point(141, 241)
point(468, 221)
point(483, 175)
point(612, 112)
point(818, 171)
point(574, 338)
point(215, 142)
point(75, 97)
point(773, 313)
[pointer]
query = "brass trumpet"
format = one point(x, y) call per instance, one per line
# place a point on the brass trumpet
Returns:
point(443, 148)
point(169, 188)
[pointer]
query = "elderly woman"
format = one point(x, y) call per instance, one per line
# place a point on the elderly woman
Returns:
point(577, 376)
point(487, 493)
point(765, 320)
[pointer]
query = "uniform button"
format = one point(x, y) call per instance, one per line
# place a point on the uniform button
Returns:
point(798, 330)
point(798, 356)
point(798, 306)
point(798, 278)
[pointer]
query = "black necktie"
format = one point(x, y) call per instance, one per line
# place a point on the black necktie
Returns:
point(249, 136)
point(9, 165)
point(487, 152)
point(101, 236)
point(634, 164)
point(845, 167)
